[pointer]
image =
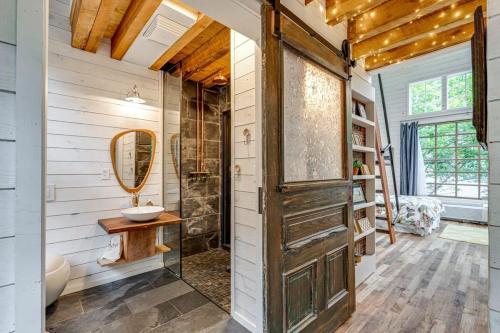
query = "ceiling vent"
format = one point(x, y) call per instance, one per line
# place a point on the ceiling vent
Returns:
point(164, 30)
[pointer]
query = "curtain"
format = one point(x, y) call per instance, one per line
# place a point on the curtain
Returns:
point(409, 159)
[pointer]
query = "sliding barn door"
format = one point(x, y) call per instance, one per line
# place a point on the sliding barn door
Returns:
point(307, 180)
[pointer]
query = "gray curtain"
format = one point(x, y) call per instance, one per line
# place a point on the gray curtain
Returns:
point(409, 159)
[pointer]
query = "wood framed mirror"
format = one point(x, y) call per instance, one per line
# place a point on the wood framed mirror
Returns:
point(132, 156)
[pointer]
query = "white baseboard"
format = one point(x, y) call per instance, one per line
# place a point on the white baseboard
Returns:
point(81, 284)
point(244, 322)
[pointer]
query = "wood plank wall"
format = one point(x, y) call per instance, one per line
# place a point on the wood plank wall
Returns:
point(7, 172)
point(86, 108)
point(493, 56)
point(247, 248)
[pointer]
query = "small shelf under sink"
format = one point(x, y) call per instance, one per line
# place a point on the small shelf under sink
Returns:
point(139, 238)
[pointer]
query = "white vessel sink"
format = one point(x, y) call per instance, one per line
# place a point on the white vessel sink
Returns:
point(143, 213)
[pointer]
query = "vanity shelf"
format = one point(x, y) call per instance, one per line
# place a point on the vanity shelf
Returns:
point(139, 238)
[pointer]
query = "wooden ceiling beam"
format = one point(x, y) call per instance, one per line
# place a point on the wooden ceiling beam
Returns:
point(196, 29)
point(224, 70)
point(136, 17)
point(214, 49)
point(423, 46)
point(341, 10)
point(82, 17)
point(435, 22)
point(101, 22)
point(390, 15)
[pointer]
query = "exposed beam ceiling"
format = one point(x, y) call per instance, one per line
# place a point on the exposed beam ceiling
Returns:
point(136, 17)
point(436, 22)
point(198, 28)
point(389, 31)
point(429, 44)
point(83, 15)
point(390, 15)
point(100, 26)
point(341, 10)
point(214, 49)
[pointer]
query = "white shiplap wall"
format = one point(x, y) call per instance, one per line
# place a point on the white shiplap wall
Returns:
point(86, 108)
point(247, 246)
point(494, 154)
point(7, 160)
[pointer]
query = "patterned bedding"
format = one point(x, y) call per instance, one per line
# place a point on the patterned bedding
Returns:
point(418, 215)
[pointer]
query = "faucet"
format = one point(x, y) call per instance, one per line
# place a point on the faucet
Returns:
point(135, 199)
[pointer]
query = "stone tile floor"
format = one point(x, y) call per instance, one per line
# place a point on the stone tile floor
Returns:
point(208, 273)
point(155, 301)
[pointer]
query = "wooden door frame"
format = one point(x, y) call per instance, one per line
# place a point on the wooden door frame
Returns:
point(335, 61)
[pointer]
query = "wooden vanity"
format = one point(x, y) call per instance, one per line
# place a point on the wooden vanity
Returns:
point(139, 238)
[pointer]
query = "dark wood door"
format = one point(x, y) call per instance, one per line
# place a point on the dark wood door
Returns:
point(307, 180)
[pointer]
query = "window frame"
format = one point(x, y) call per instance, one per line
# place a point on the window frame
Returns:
point(444, 96)
point(480, 157)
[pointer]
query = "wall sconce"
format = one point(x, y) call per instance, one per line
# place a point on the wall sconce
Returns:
point(246, 134)
point(133, 96)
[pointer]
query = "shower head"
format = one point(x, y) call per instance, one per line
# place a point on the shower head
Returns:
point(220, 80)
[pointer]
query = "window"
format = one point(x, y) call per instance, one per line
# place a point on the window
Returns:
point(429, 96)
point(455, 165)
point(425, 96)
point(459, 87)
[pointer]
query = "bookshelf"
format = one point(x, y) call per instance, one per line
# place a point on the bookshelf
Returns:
point(363, 150)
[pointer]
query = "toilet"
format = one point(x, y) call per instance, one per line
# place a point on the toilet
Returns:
point(56, 276)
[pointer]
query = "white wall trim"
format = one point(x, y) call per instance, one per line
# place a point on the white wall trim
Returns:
point(31, 91)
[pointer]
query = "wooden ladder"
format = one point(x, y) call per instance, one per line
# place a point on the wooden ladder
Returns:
point(385, 184)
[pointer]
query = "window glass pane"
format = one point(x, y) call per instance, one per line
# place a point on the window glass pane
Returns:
point(313, 121)
point(445, 178)
point(428, 153)
point(445, 190)
point(446, 141)
point(467, 166)
point(430, 189)
point(427, 142)
point(446, 129)
point(426, 131)
point(484, 153)
point(469, 152)
point(430, 167)
point(425, 96)
point(445, 166)
point(484, 165)
point(465, 191)
point(468, 178)
point(429, 177)
point(445, 153)
point(467, 140)
point(466, 127)
point(459, 91)
point(484, 192)
point(484, 179)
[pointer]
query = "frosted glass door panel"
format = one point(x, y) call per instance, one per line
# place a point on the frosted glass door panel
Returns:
point(313, 120)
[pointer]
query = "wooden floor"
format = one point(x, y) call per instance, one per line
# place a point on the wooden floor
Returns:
point(422, 284)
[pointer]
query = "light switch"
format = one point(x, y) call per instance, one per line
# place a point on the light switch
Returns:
point(105, 174)
point(51, 192)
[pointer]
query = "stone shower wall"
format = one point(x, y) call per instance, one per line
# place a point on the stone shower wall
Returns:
point(200, 196)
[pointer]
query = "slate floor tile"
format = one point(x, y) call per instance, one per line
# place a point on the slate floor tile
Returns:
point(189, 301)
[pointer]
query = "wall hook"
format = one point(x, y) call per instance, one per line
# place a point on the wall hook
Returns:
point(247, 135)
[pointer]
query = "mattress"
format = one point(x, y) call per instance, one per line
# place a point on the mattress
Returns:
point(418, 214)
